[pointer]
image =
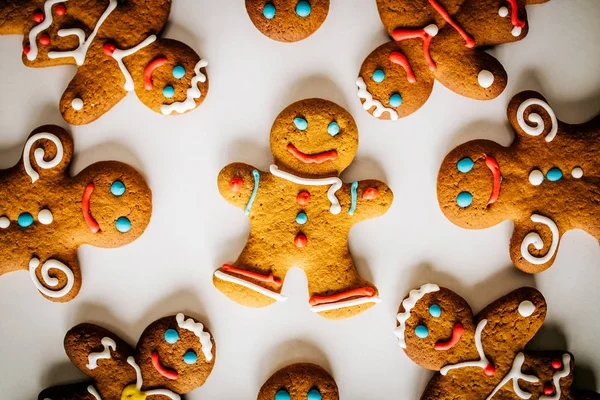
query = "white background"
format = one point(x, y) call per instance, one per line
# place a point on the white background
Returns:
point(193, 230)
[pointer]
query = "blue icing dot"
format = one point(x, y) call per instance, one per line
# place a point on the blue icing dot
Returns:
point(168, 91)
point(303, 8)
point(378, 76)
point(300, 123)
point(171, 336)
point(555, 174)
point(301, 218)
point(395, 100)
point(179, 72)
point(269, 11)
point(190, 357)
point(465, 165)
point(25, 219)
point(421, 331)
point(464, 199)
point(333, 128)
point(314, 394)
point(282, 394)
point(117, 188)
point(123, 225)
point(435, 310)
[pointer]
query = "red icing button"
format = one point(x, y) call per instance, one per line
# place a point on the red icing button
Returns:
point(303, 198)
point(548, 389)
point(26, 49)
point(300, 241)
point(370, 194)
point(60, 9)
point(236, 184)
point(556, 364)
point(489, 370)
point(38, 16)
point(45, 39)
point(109, 49)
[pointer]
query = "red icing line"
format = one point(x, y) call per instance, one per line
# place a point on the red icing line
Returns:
point(457, 332)
point(489, 370)
point(254, 275)
point(470, 43)
point(495, 169)
point(319, 158)
point(403, 34)
point(514, 18)
point(400, 59)
point(85, 208)
point(363, 292)
point(370, 194)
point(167, 373)
point(149, 70)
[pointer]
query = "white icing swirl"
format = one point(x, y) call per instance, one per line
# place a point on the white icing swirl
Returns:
point(537, 119)
point(39, 154)
point(535, 239)
point(50, 281)
point(363, 93)
point(413, 297)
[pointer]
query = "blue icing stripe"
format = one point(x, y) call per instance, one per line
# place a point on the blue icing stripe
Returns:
point(353, 193)
point(253, 195)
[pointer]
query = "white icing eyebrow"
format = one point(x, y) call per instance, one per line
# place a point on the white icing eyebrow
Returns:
point(198, 329)
point(413, 297)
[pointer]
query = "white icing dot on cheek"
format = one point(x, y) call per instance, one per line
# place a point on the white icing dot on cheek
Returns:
point(485, 78)
point(577, 173)
point(536, 177)
point(526, 308)
point(45, 217)
point(4, 222)
point(77, 104)
point(503, 12)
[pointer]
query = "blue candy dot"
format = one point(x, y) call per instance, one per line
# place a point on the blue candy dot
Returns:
point(314, 394)
point(179, 72)
point(25, 219)
point(421, 331)
point(123, 225)
point(464, 199)
point(117, 188)
point(269, 11)
point(395, 100)
point(435, 310)
point(301, 218)
point(168, 91)
point(190, 357)
point(465, 165)
point(171, 336)
point(333, 128)
point(300, 123)
point(378, 76)
point(303, 8)
point(282, 394)
point(555, 174)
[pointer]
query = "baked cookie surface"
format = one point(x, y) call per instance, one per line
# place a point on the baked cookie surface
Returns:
point(299, 382)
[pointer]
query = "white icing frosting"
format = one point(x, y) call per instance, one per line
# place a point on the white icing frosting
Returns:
point(4, 222)
point(558, 375)
point(334, 181)
point(363, 93)
point(93, 358)
point(193, 93)
point(413, 297)
point(537, 119)
point(119, 54)
point(577, 173)
point(92, 390)
point(139, 382)
point(345, 304)
point(45, 217)
point(482, 362)
point(503, 12)
point(536, 177)
point(485, 78)
point(198, 329)
point(526, 308)
point(514, 375)
point(431, 29)
point(39, 154)
point(33, 48)
point(50, 281)
point(77, 104)
point(535, 239)
point(516, 31)
point(80, 52)
point(264, 291)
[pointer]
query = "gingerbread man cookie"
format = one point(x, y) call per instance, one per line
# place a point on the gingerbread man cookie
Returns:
point(45, 215)
point(117, 49)
point(174, 356)
point(443, 40)
point(482, 357)
point(301, 213)
point(545, 181)
point(300, 382)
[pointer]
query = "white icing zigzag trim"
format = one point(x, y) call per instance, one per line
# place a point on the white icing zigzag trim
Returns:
point(363, 93)
point(198, 330)
point(39, 153)
point(345, 304)
point(93, 358)
point(193, 93)
point(413, 297)
point(535, 239)
point(264, 291)
point(537, 119)
point(514, 375)
point(50, 281)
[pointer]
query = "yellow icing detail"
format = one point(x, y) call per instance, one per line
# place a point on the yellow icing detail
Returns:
point(131, 392)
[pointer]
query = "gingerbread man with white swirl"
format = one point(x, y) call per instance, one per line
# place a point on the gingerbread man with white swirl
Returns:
point(45, 215)
point(546, 181)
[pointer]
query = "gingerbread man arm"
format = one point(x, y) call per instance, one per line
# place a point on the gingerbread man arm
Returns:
point(16, 16)
point(238, 183)
point(532, 118)
point(47, 154)
point(369, 199)
point(77, 391)
point(534, 243)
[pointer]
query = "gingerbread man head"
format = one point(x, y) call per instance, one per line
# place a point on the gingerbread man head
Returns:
point(300, 382)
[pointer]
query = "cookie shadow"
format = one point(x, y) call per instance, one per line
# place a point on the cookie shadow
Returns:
point(247, 151)
point(363, 168)
point(60, 373)
point(313, 86)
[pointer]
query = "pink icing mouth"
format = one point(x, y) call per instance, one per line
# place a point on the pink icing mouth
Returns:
point(318, 158)
point(457, 332)
point(85, 209)
point(166, 372)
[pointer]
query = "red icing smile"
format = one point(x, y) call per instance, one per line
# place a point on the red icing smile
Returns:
point(457, 332)
point(318, 158)
point(493, 166)
point(85, 208)
point(167, 373)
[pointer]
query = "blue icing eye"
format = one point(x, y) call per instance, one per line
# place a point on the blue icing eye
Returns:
point(190, 357)
point(300, 123)
point(464, 199)
point(421, 331)
point(465, 165)
point(117, 188)
point(179, 72)
point(378, 76)
point(168, 91)
point(25, 219)
point(171, 336)
point(555, 174)
point(395, 100)
point(313, 394)
point(333, 128)
point(282, 394)
point(435, 310)
point(303, 8)
point(269, 11)
point(123, 224)
point(301, 218)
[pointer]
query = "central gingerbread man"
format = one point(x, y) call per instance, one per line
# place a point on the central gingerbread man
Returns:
point(301, 213)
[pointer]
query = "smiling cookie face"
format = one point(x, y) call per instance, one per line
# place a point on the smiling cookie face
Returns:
point(300, 382)
point(314, 138)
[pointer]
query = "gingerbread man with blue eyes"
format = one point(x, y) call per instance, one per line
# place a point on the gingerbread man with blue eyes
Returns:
point(174, 356)
point(483, 357)
point(45, 215)
point(301, 213)
point(117, 49)
point(546, 181)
